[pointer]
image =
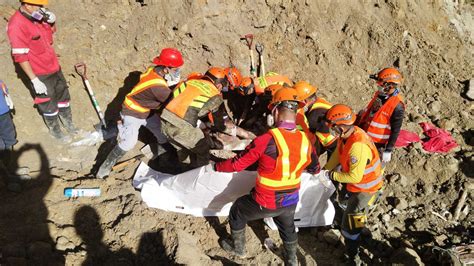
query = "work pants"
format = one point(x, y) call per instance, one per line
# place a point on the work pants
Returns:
point(58, 94)
point(7, 132)
point(128, 130)
point(246, 209)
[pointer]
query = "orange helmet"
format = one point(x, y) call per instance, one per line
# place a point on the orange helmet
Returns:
point(285, 94)
point(340, 114)
point(304, 90)
point(272, 89)
point(233, 76)
point(215, 73)
point(389, 75)
point(245, 86)
point(194, 75)
point(35, 2)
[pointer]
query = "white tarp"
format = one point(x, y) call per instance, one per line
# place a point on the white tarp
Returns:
point(201, 193)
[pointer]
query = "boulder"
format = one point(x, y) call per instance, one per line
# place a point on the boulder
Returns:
point(470, 90)
point(405, 256)
point(332, 236)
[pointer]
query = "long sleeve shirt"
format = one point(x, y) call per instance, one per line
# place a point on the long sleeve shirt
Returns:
point(360, 155)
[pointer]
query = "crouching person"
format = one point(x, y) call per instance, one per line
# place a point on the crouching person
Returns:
point(282, 154)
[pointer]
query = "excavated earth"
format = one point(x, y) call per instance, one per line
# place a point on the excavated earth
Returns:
point(333, 44)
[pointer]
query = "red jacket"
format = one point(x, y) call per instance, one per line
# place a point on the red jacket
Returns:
point(32, 41)
point(264, 150)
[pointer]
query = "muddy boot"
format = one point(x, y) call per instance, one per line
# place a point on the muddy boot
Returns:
point(52, 122)
point(351, 256)
point(290, 253)
point(66, 118)
point(236, 246)
point(107, 165)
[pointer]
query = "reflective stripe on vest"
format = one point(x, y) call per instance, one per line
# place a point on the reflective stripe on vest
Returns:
point(372, 168)
point(369, 184)
point(378, 136)
point(288, 178)
point(326, 139)
point(270, 78)
point(141, 86)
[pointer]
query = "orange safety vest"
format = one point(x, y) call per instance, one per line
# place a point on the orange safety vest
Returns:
point(302, 124)
point(147, 80)
point(270, 78)
point(372, 180)
point(294, 154)
point(378, 127)
point(192, 94)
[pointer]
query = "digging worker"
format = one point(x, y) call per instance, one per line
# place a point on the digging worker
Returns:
point(193, 101)
point(139, 106)
point(282, 154)
point(382, 119)
point(360, 168)
point(30, 31)
point(312, 118)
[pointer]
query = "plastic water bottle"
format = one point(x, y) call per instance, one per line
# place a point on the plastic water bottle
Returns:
point(82, 192)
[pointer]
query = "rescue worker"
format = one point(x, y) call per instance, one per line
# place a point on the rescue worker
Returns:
point(193, 101)
point(256, 98)
point(383, 117)
point(361, 170)
point(141, 104)
point(312, 118)
point(282, 154)
point(30, 31)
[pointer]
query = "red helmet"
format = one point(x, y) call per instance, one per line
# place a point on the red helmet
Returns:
point(169, 57)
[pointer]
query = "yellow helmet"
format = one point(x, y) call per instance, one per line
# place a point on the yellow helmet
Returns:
point(35, 2)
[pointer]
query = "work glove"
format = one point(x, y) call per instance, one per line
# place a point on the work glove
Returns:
point(325, 178)
point(211, 167)
point(386, 157)
point(39, 86)
point(50, 16)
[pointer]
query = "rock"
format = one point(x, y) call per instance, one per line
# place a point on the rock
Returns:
point(448, 124)
point(386, 217)
point(64, 244)
point(332, 236)
point(440, 239)
point(404, 181)
point(470, 90)
point(400, 203)
point(434, 107)
point(405, 256)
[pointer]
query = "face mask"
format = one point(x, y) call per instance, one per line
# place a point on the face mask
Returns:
point(173, 77)
point(335, 131)
point(38, 15)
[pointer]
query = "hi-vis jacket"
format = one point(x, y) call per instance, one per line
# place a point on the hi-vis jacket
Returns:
point(193, 99)
point(360, 163)
point(302, 122)
point(270, 78)
point(150, 93)
point(377, 125)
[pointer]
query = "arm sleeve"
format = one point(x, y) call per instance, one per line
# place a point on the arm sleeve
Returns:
point(218, 117)
point(362, 154)
point(19, 43)
point(313, 167)
point(161, 93)
point(333, 161)
point(316, 121)
point(396, 121)
point(246, 158)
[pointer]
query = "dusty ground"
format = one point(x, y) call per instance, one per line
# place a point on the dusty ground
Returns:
point(333, 44)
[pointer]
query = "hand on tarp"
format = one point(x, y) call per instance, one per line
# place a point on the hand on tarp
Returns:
point(324, 178)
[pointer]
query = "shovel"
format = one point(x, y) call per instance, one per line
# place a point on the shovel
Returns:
point(81, 69)
point(249, 39)
point(259, 47)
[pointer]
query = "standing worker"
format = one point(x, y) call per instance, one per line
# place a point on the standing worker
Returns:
point(282, 154)
point(139, 105)
point(30, 31)
point(191, 102)
point(312, 118)
point(382, 119)
point(360, 169)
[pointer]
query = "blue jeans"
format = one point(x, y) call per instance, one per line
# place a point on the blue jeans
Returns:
point(7, 132)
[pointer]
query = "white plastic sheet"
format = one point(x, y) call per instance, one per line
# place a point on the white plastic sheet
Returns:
point(208, 193)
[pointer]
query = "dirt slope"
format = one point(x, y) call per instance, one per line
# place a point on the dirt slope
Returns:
point(333, 44)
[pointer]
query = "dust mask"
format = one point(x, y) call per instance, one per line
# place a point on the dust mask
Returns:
point(271, 118)
point(173, 77)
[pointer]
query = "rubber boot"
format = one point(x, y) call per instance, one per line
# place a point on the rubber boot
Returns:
point(237, 245)
point(351, 256)
point(110, 161)
point(290, 253)
point(52, 122)
point(66, 118)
